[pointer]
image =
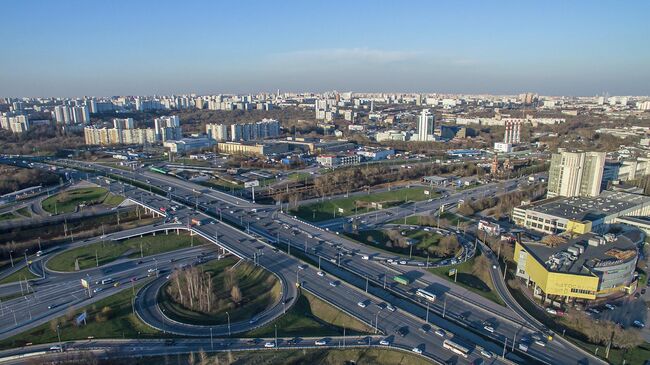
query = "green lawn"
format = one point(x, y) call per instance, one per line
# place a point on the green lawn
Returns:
point(260, 289)
point(361, 356)
point(24, 212)
point(467, 280)
point(109, 251)
point(8, 216)
point(330, 208)
point(21, 274)
point(120, 323)
point(298, 176)
point(425, 242)
point(67, 201)
point(310, 316)
point(220, 184)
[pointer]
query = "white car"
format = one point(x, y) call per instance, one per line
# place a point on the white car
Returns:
point(489, 329)
point(611, 307)
point(551, 311)
point(417, 350)
point(365, 257)
point(403, 262)
point(384, 343)
point(390, 307)
point(440, 333)
point(541, 343)
point(334, 283)
point(320, 342)
point(638, 324)
point(320, 273)
point(486, 353)
point(361, 304)
point(269, 345)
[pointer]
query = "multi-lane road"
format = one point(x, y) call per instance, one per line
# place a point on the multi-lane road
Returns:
point(281, 243)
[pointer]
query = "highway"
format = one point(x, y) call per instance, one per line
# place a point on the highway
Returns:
point(463, 309)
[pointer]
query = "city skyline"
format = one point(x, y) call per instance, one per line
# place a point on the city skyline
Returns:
point(104, 49)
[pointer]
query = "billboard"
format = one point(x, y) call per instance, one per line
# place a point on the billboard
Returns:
point(250, 184)
point(84, 283)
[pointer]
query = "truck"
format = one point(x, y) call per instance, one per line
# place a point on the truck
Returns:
point(199, 221)
point(401, 279)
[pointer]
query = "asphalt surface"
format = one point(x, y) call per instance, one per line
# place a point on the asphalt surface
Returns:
point(465, 312)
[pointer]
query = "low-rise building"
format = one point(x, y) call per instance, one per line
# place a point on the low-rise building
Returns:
point(334, 161)
point(586, 267)
point(185, 145)
point(258, 149)
point(580, 214)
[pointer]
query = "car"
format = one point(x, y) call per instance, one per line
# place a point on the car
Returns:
point(638, 324)
point(403, 331)
point(489, 328)
point(320, 273)
point(51, 306)
point(362, 304)
point(523, 347)
point(642, 291)
point(365, 257)
point(253, 321)
point(611, 307)
point(97, 290)
point(334, 283)
point(440, 332)
point(269, 345)
point(139, 262)
point(637, 295)
point(116, 284)
point(403, 262)
point(390, 307)
point(487, 354)
point(417, 350)
point(551, 311)
point(151, 270)
point(425, 328)
point(541, 343)
point(55, 348)
point(320, 342)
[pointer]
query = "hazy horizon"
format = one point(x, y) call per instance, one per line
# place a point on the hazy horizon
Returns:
point(467, 47)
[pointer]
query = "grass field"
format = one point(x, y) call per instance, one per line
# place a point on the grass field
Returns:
point(468, 280)
point(67, 201)
point(359, 356)
point(378, 238)
point(24, 212)
point(21, 274)
point(260, 289)
point(119, 323)
point(7, 216)
point(220, 184)
point(109, 251)
point(311, 316)
point(326, 210)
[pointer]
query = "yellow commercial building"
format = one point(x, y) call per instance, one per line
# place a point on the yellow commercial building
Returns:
point(586, 267)
point(582, 286)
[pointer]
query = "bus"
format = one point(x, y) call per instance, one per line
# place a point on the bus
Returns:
point(426, 295)
point(159, 170)
point(456, 348)
point(401, 279)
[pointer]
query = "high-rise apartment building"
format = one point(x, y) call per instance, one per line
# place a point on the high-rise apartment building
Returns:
point(576, 174)
point(15, 123)
point(217, 132)
point(123, 123)
point(266, 128)
point(65, 114)
point(425, 126)
point(168, 128)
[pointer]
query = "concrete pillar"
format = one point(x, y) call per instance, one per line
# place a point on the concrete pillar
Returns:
point(154, 233)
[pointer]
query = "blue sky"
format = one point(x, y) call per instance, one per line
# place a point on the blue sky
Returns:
point(75, 48)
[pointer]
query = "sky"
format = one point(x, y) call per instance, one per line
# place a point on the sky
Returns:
point(73, 48)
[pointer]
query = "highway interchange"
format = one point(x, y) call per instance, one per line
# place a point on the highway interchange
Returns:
point(281, 244)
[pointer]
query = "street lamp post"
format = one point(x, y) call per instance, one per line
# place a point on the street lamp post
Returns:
point(11, 257)
point(228, 315)
point(58, 334)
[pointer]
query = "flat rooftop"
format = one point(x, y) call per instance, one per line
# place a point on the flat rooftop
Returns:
point(588, 208)
point(592, 255)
